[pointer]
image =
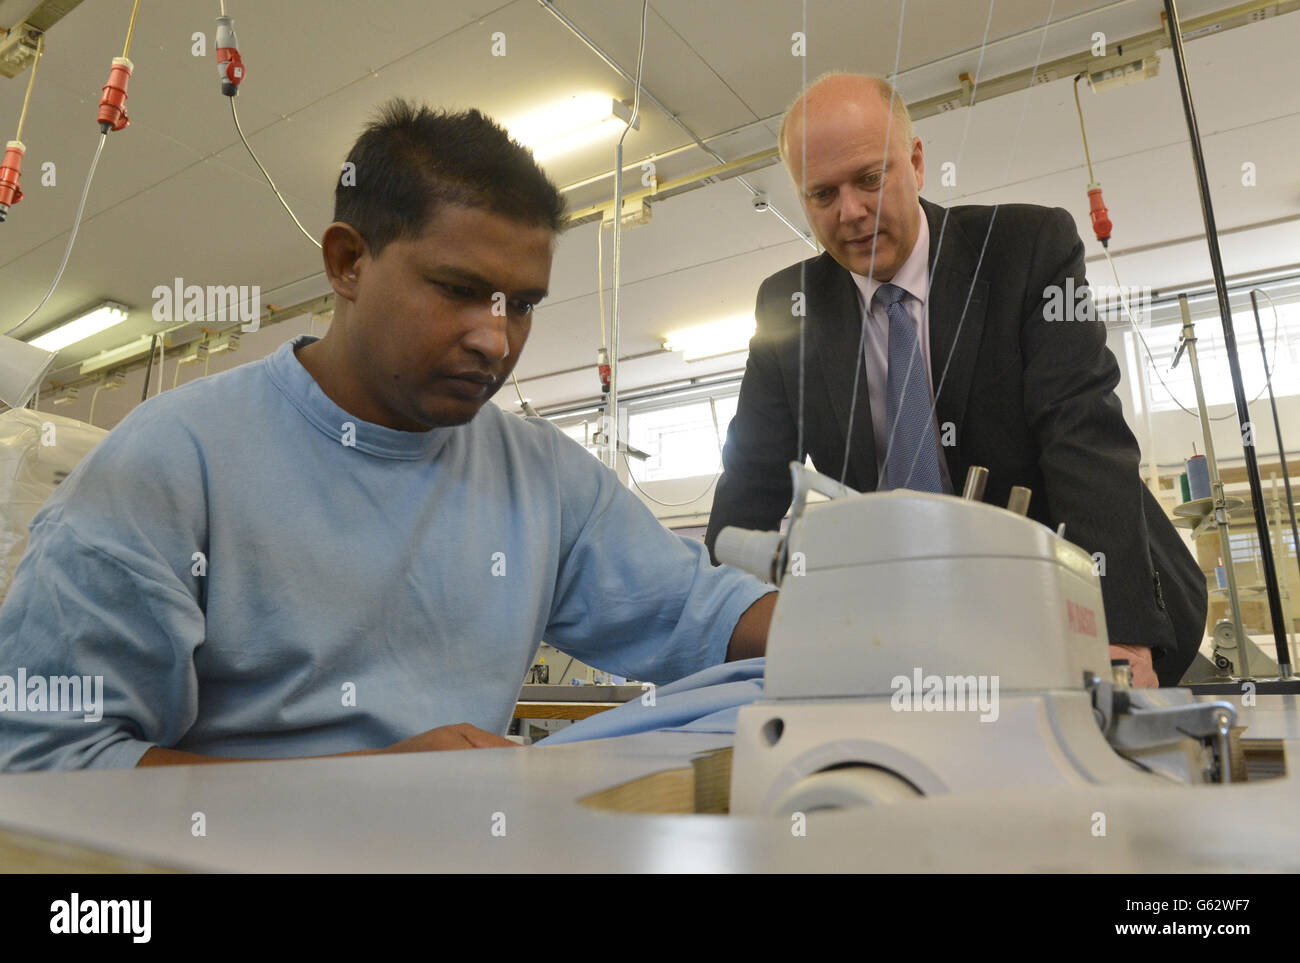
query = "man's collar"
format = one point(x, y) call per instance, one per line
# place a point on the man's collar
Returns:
point(914, 276)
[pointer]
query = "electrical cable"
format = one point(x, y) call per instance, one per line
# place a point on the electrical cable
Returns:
point(600, 280)
point(31, 82)
point(283, 203)
point(529, 410)
point(611, 399)
point(636, 100)
point(637, 486)
point(148, 370)
point(1087, 155)
point(72, 238)
point(130, 30)
point(90, 417)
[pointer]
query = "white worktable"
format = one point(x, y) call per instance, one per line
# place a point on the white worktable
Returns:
point(435, 812)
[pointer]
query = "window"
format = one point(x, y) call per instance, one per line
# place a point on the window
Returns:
point(1215, 374)
point(682, 440)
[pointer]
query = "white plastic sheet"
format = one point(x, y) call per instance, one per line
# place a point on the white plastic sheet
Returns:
point(37, 451)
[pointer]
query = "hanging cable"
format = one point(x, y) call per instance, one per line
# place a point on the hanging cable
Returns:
point(111, 117)
point(230, 67)
point(600, 281)
point(1087, 154)
point(1102, 227)
point(72, 237)
point(130, 30)
point(637, 486)
point(604, 372)
point(611, 405)
point(31, 82)
point(529, 410)
point(1101, 224)
point(90, 417)
point(148, 370)
point(283, 203)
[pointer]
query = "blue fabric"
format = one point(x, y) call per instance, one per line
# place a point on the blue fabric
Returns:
point(256, 572)
point(704, 702)
point(912, 461)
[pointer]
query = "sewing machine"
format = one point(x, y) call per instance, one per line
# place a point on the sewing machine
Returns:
point(927, 644)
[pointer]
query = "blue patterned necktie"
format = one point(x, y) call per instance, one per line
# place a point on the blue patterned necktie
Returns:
point(911, 460)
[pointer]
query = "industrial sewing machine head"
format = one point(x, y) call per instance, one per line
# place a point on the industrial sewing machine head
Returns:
point(926, 644)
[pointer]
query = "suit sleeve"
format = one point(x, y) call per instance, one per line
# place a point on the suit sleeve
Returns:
point(755, 489)
point(1088, 456)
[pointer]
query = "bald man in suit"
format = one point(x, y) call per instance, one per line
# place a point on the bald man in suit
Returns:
point(913, 302)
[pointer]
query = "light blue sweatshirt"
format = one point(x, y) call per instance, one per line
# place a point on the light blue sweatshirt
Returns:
point(250, 579)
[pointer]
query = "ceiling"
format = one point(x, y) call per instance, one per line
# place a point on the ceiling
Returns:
point(176, 195)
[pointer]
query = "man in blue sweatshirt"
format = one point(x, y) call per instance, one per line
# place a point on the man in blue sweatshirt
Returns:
point(341, 548)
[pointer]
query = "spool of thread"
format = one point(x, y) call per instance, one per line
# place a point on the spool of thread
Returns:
point(1182, 484)
point(1198, 477)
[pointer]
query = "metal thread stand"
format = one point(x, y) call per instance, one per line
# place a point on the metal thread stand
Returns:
point(1221, 520)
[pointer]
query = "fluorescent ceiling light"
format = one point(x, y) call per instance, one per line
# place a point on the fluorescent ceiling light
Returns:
point(580, 120)
point(714, 339)
point(79, 328)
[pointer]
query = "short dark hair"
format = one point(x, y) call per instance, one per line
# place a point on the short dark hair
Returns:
point(411, 160)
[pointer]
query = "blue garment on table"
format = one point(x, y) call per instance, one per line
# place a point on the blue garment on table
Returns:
point(704, 702)
point(256, 572)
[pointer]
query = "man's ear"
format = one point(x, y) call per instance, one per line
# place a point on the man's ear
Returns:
point(344, 251)
point(918, 163)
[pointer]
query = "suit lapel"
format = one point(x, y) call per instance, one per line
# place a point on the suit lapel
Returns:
point(958, 305)
point(835, 329)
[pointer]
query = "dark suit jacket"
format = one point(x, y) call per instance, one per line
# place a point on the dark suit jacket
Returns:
point(1032, 400)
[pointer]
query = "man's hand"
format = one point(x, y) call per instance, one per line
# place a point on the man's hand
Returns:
point(749, 638)
point(460, 736)
point(1139, 658)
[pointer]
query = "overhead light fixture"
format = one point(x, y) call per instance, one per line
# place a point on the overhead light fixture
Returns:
point(81, 327)
point(713, 339)
point(580, 120)
point(106, 359)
